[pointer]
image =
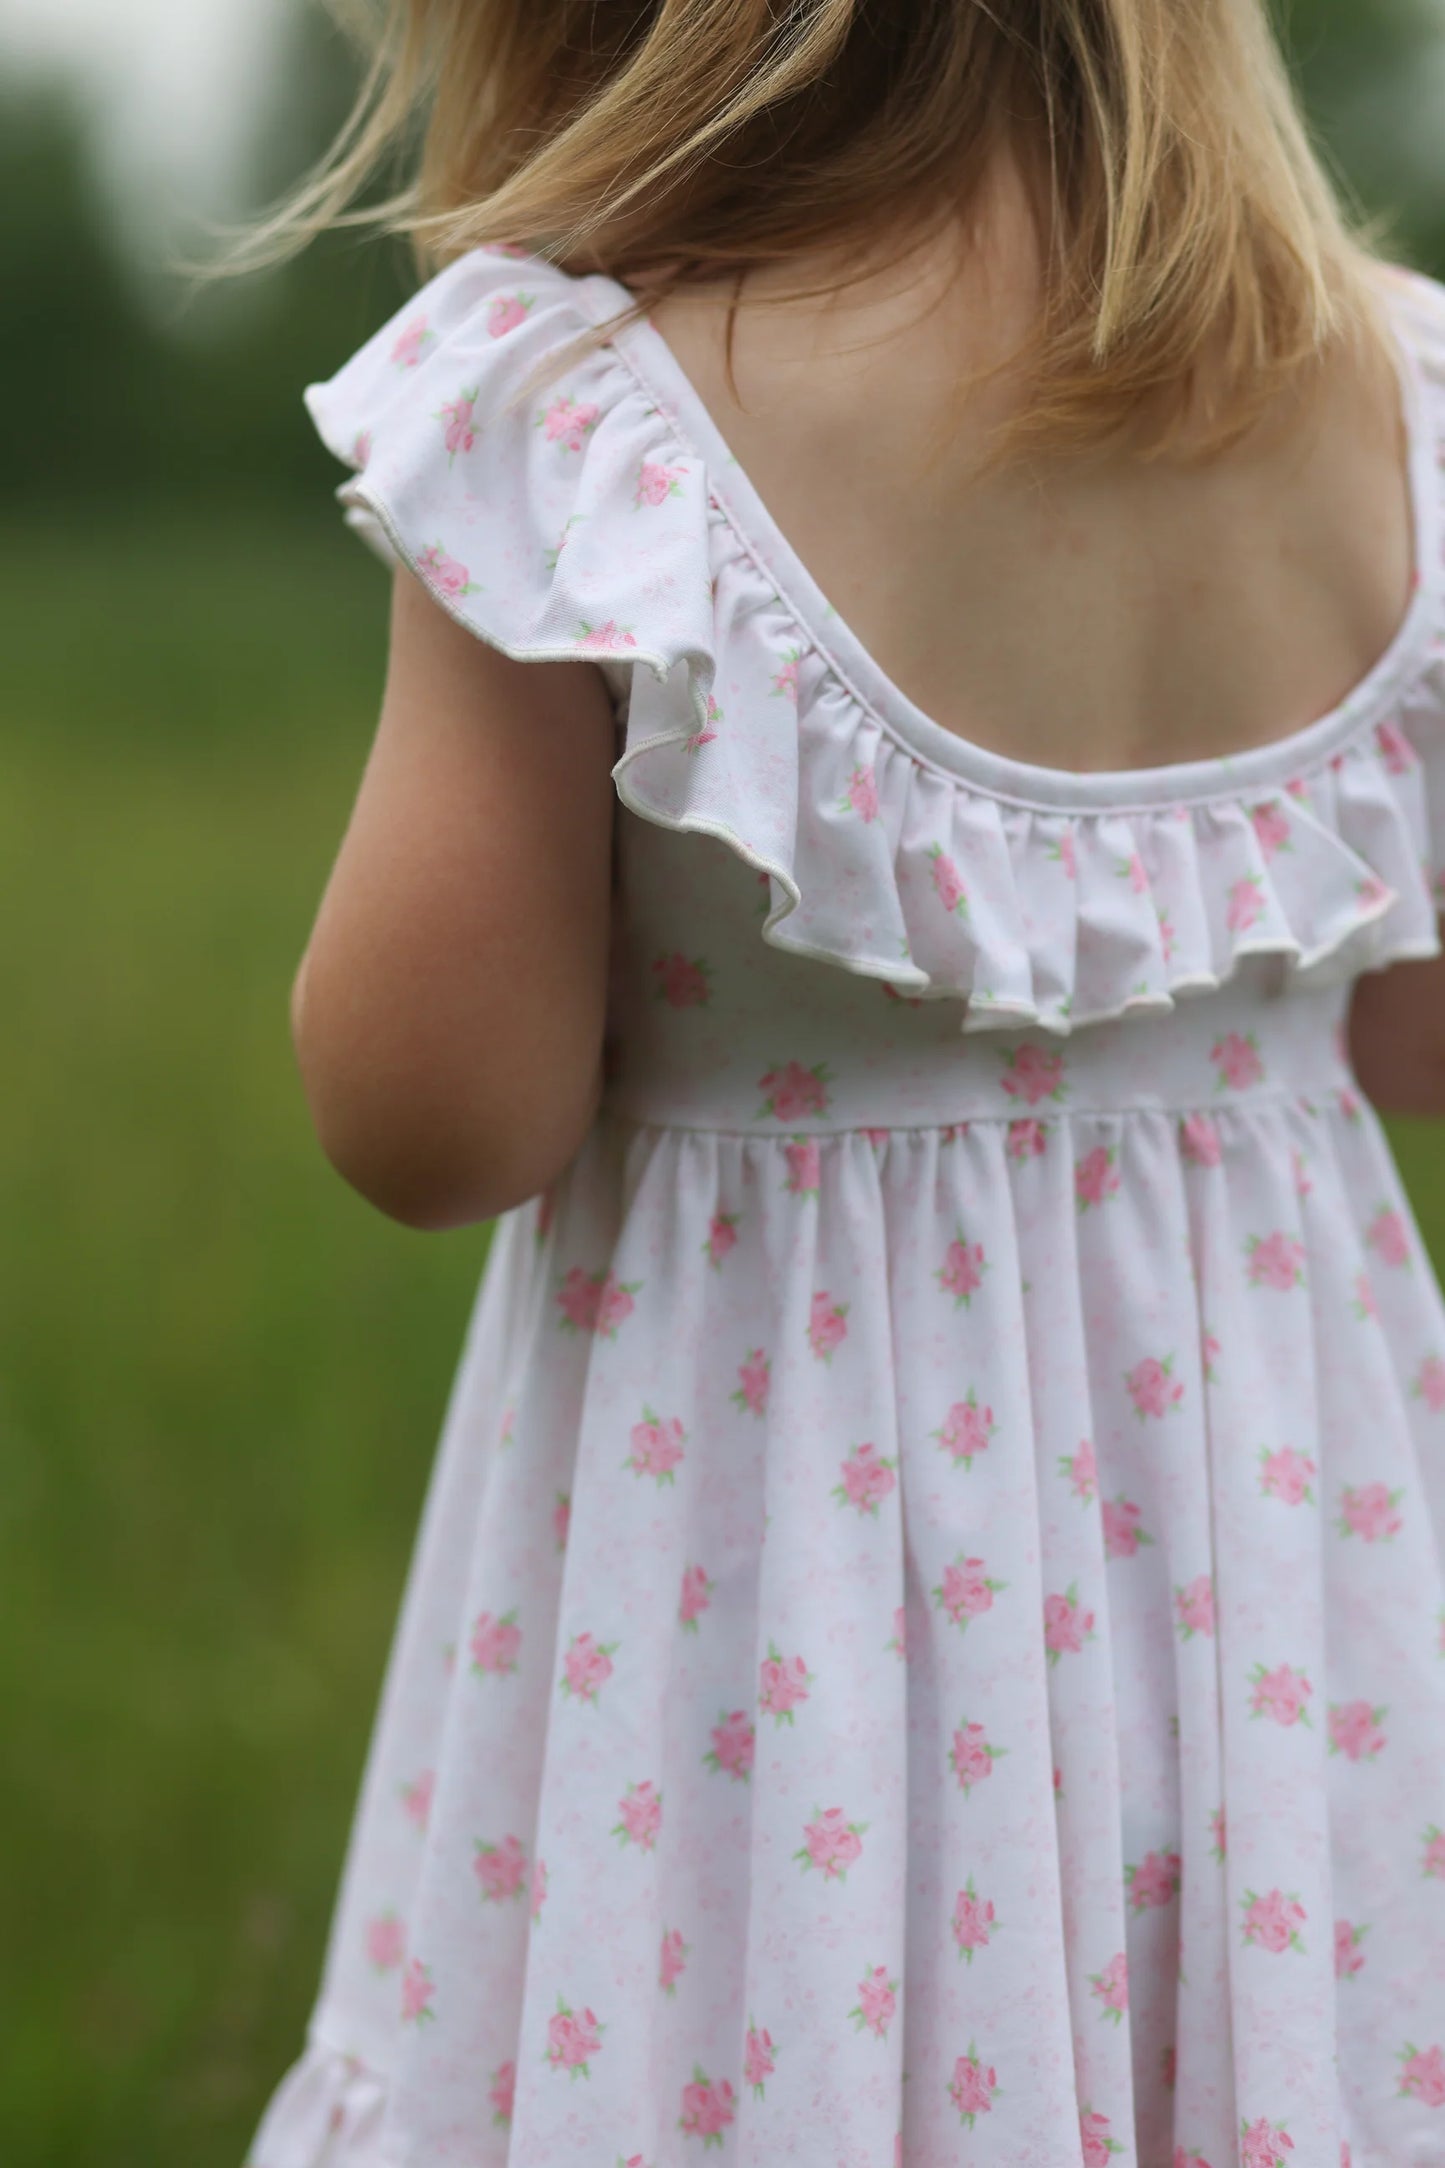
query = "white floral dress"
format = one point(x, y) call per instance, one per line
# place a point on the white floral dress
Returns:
point(927, 1641)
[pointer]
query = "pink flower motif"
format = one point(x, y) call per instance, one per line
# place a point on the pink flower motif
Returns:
point(416, 1798)
point(1432, 1862)
point(1064, 852)
point(805, 1167)
point(758, 2059)
point(1219, 1834)
point(972, 2086)
point(695, 1598)
point(707, 2108)
point(831, 1844)
point(656, 483)
point(948, 882)
point(1349, 1958)
point(417, 1990)
point(562, 1519)
point(506, 311)
point(965, 1430)
point(1422, 2076)
point(681, 980)
point(973, 1921)
point(1132, 870)
point(1303, 1182)
point(1280, 1694)
point(827, 1325)
point(1236, 1057)
point(1246, 904)
point(361, 449)
point(754, 1376)
point(1263, 2144)
point(898, 1646)
point(785, 678)
point(1122, 1533)
point(966, 1590)
point(587, 1666)
point(538, 1896)
point(656, 1447)
point(1194, 1607)
point(1168, 938)
point(1066, 1626)
point(877, 1138)
point(567, 421)
point(1273, 1921)
point(722, 1235)
point(877, 2002)
point(1272, 826)
point(1286, 1474)
point(867, 1479)
point(1355, 1730)
point(1152, 1387)
point(1367, 1308)
point(502, 2092)
point(407, 352)
point(573, 2038)
point(639, 1815)
point(1112, 1988)
point(606, 638)
point(672, 1961)
point(457, 414)
point(782, 1683)
point(1082, 1471)
point(1370, 1512)
point(861, 796)
point(1429, 1384)
point(1033, 1074)
point(501, 1869)
point(792, 1091)
point(385, 1941)
point(495, 1642)
point(733, 1744)
point(1199, 1141)
point(1388, 1237)
point(595, 1302)
point(1211, 1353)
point(972, 1756)
point(1154, 1880)
point(446, 574)
point(1027, 1137)
point(1399, 754)
point(712, 714)
point(1095, 2140)
point(1276, 1261)
point(962, 1270)
point(1096, 1177)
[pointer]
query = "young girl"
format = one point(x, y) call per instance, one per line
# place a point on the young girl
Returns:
point(927, 1642)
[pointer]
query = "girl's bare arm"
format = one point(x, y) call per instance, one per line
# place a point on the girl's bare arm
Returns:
point(1397, 1037)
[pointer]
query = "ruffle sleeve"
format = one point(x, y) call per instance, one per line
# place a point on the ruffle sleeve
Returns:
point(561, 509)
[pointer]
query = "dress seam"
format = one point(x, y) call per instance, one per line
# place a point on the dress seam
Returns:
point(784, 1133)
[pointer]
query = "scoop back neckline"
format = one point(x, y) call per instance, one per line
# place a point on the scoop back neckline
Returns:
point(1267, 767)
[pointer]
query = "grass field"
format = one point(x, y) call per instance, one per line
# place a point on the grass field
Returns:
point(222, 1374)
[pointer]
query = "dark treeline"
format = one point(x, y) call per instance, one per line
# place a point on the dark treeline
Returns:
point(106, 394)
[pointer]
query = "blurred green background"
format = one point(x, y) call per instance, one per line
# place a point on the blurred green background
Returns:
point(223, 1375)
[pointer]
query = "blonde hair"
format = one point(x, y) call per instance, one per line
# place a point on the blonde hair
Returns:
point(1182, 209)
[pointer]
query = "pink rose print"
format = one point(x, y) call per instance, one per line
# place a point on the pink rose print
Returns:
point(595, 1301)
point(1303, 1181)
point(573, 2038)
point(1355, 1729)
point(506, 311)
point(1033, 1074)
point(722, 1235)
point(972, 2087)
point(1219, 1833)
point(361, 449)
point(1112, 1988)
point(1199, 1141)
point(608, 638)
point(385, 1941)
point(502, 2092)
point(948, 882)
point(805, 1167)
point(567, 421)
point(500, 1869)
point(1272, 1922)
point(552, 557)
point(1168, 937)
point(1095, 2140)
point(877, 1138)
point(495, 1642)
point(1152, 1387)
point(1194, 1607)
point(656, 1447)
point(966, 1590)
point(877, 2002)
point(695, 1598)
point(1275, 1261)
point(407, 352)
point(1081, 1470)
point(1349, 1958)
point(1122, 1533)
point(1388, 1237)
point(1399, 754)
point(1366, 1307)
point(1429, 1384)
point(1211, 1353)
point(861, 796)
point(539, 1887)
point(1154, 1880)
point(961, 1273)
point(973, 1921)
point(1281, 1694)
point(1263, 2144)
point(672, 1962)
point(416, 1798)
point(417, 1991)
point(1423, 2075)
point(1066, 1626)
point(1272, 826)
point(562, 1519)
point(733, 1742)
point(785, 679)
point(656, 483)
point(457, 415)
point(782, 1683)
point(681, 980)
point(754, 1376)
point(1286, 1475)
point(758, 2059)
point(1349, 1105)
point(1096, 1177)
point(586, 1667)
point(972, 1756)
point(792, 1090)
point(831, 1844)
point(640, 1816)
point(446, 574)
point(1370, 1512)
point(1432, 1864)
point(965, 1430)
point(1132, 870)
point(898, 1646)
point(1183, 2158)
point(1236, 1057)
point(712, 715)
point(868, 1477)
point(707, 2109)
point(827, 1325)
point(1246, 904)
point(1065, 855)
point(1028, 1137)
